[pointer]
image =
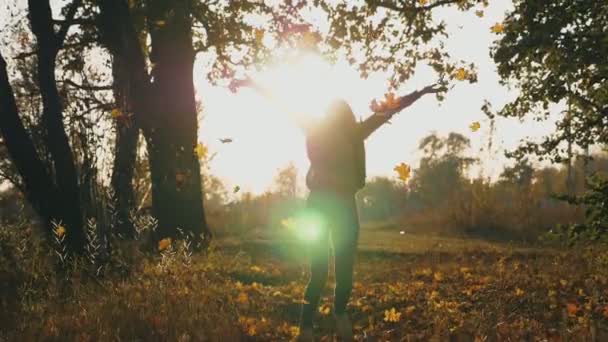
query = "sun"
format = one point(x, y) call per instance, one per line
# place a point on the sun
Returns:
point(305, 84)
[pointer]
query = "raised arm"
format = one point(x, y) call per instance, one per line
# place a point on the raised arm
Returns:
point(377, 119)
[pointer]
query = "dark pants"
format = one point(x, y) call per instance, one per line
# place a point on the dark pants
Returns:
point(340, 222)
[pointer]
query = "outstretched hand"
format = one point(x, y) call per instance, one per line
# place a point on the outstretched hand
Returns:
point(408, 100)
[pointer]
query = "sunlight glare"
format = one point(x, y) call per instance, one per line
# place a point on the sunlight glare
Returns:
point(306, 84)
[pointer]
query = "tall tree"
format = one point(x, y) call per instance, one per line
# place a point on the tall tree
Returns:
point(554, 53)
point(55, 195)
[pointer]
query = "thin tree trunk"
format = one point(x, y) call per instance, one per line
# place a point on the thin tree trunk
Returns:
point(48, 44)
point(127, 134)
point(39, 188)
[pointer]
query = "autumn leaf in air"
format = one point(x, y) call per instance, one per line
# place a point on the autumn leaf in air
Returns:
point(475, 126)
point(200, 150)
point(164, 244)
point(392, 315)
point(60, 231)
point(324, 309)
point(236, 189)
point(226, 140)
point(116, 113)
point(423, 2)
point(519, 292)
point(391, 101)
point(498, 28)
point(461, 74)
point(259, 36)
point(479, 13)
point(403, 170)
point(160, 23)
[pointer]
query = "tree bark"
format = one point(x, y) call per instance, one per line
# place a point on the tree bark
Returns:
point(177, 197)
point(48, 43)
point(39, 188)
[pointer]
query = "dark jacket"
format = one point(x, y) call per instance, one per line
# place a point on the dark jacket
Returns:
point(337, 157)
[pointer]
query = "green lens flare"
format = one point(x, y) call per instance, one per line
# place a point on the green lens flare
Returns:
point(309, 226)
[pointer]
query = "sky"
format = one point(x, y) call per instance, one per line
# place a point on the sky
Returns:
point(265, 140)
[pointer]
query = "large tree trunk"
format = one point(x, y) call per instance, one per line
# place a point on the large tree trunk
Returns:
point(48, 44)
point(177, 199)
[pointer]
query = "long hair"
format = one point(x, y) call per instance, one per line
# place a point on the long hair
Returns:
point(340, 118)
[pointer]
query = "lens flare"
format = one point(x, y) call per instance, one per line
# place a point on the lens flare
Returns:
point(309, 226)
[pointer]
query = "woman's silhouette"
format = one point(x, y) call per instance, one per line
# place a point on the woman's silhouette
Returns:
point(335, 147)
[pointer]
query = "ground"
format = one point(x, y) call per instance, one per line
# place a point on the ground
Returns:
point(407, 288)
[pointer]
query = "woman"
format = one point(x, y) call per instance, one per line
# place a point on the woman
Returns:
point(337, 171)
point(335, 147)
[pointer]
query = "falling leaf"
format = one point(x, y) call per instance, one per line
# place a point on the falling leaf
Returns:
point(164, 244)
point(242, 298)
point(423, 2)
point(519, 292)
point(563, 282)
point(300, 301)
point(552, 293)
point(116, 113)
point(160, 23)
point(259, 36)
point(479, 13)
point(226, 140)
point(200, 150)
point(403, 170)
point(60, 231)
point(498, 28)
point(475, 126)
point(438, 276)
point(572, 309)
point(236, 189)
point(392, 315)
point(392, 102)
point(179, 178)
point(324, 309)
point(255, 269)
point(461, 74)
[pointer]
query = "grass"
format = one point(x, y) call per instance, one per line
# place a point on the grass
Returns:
point(249, 289)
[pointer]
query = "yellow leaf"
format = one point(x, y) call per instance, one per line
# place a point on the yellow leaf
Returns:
point(423, 2)
point(259, 36)
point(116, 113)
point(498, 28)
point(164, 244)
point(519, 292)
point(552, 293)
point(60, 231)
point(403, 170)
point(160, 23)
point(479, 13)
point(255, 269)
point(438, 276)
point(324, 310)
point(300, 301)
point(200, 150)
point(461, 74)
point(392, 315)
point(563, 282)
point(242, 298)
point(475, 126)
